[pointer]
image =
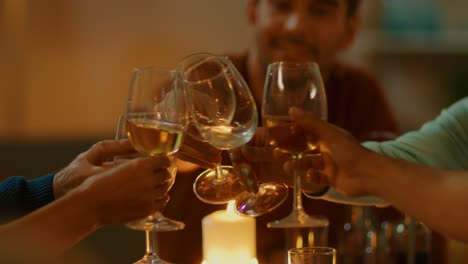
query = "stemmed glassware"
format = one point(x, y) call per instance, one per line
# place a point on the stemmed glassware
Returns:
point(224, 113)
point(261, 197)
point(150, 256)
point(287, 85)
point(155, 121)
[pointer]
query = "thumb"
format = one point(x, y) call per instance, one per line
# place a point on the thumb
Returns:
point(311, 124)
point(106, 149)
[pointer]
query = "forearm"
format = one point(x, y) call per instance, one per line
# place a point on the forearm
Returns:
point(434, 196)
point(50, 231)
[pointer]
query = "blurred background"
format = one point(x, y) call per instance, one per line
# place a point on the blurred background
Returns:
point(65, 68)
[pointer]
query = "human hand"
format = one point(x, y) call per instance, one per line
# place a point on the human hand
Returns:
point(307, 166)
point(88, 163)
point(130, 190)
point(200, 153)
point(343, 158)
point(264, 163)
point(259, 162)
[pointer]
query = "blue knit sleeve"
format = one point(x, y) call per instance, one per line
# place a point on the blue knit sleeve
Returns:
point(19, 195)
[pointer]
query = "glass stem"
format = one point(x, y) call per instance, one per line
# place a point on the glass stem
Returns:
point(219, 175)
point(297, 200)
point(150, 244)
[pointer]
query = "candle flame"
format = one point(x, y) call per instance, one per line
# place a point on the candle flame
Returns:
point(230, 207)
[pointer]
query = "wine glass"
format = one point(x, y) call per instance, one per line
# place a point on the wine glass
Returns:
point(155, 121)
point(263, 197)
point(224, 114)
point(150, 256)
point(291, 84)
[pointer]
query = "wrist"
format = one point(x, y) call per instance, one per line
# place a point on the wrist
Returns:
point(87, 203)
point(371, 169)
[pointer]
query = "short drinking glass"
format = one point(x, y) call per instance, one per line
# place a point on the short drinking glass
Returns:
point(312, 255)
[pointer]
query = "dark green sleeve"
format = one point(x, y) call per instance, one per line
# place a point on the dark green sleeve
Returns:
point(441, 143)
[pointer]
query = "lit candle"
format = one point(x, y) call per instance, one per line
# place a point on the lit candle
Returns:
point(228, 238)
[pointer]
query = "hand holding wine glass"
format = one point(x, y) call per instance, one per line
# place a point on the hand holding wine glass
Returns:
point(288, 85)
point(155, 118)
point(262, 166)
point(149, 226)
point(225, 116)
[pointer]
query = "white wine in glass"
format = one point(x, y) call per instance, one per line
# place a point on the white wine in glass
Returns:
point(225, 116)
point(150, 256)
point(153, 137)
point(300, 85)
point(156, 119)
point(285, 136)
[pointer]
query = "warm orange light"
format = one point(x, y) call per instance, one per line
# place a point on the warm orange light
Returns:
point(299, 242)
point(228, 238)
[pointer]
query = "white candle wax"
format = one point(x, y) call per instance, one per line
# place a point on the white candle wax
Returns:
point(228, 238)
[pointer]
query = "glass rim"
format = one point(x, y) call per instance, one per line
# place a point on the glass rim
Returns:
point(204, 80)
point(226, 63)
point(292, 64)
point(313, 250)
point(209, 54)
point(154, 67)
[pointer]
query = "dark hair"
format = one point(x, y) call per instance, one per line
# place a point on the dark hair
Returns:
point(353, 6)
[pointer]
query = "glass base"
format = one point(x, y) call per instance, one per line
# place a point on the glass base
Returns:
point(151, 259)
point(211, 191)
point(159, 224)
point(268, 197)
point(298, 219)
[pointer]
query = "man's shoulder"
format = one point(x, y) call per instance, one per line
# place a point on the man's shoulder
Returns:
point(356, 76)
point(239, 56)
point(239, 59)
